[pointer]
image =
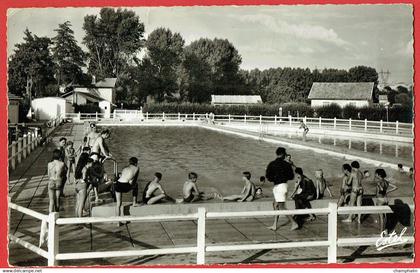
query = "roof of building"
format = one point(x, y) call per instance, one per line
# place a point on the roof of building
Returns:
point(84, 91)
point(106, 83)
point(12, 96)
point(341, 90)
point(235, 99)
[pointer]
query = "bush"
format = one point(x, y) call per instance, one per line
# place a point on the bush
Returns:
point(87, 108)
point(351, 111)
point(373, 113)
point(329, 111)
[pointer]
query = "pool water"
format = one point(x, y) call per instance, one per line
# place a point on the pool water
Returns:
point(220, 159)
point(386, 148)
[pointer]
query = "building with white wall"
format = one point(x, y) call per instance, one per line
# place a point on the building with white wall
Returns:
point(235, 99)
point(50, 107)
point(101, 93)
point(358, 94)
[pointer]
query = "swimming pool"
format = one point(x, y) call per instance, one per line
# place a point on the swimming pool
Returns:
point(220, 159)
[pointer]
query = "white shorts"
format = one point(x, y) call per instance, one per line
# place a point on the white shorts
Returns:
point(280, 192)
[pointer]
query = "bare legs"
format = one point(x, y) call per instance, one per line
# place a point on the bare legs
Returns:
point(282, 206)
point(80, 202)
point(54, 196)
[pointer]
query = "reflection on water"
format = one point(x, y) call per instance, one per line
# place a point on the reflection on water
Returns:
point(388, 148)
point(220, 159)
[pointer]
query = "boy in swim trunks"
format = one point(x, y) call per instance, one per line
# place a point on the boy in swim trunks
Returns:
point(247, 193)
point(56, 174)
point(127, 182)
point(345, 190)
point(149, 196)
point(321, 185)
point(383, 187)
point(356, 195)
point(100, 150)
point(191, 192)
point(71, 159)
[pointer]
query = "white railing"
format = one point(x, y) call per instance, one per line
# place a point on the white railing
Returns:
point(331, 243)
point(368, 126)
point(24, 146)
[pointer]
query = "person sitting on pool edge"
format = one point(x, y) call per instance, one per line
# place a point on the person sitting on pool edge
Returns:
point(321, 185)
point(127, 182)
point(191, 193)
point(247, 193)
point(149, 196)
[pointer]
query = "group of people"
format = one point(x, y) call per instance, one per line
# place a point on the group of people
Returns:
point(89, 174)
point(282, 170)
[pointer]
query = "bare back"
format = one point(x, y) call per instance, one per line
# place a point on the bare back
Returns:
point(56, 170)
point(129, 174)
point(189, 188)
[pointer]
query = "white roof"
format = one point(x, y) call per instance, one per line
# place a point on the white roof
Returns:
point(235, 99)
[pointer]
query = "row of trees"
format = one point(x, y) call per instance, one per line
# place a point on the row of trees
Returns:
point(168, 70)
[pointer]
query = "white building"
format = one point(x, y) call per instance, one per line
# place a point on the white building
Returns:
point(235, 99)
point(50, 107)
point(101, 93)
point(358, 94)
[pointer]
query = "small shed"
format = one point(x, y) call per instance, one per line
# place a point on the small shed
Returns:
point(50, 107)
point(235, 99)
point(13, 107)
point(358, 94)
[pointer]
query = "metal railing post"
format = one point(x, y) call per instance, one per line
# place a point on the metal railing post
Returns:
point(365, 125)
point(33, 141)
point(19, 149)
point(163, 115)
point(36, 137)
point(349, 124)
point(53, 239)
point(13, 160)
point(260, 119)
point(24, 144)
point(290, 120)
point(275, 119)
point(179, 116)
point(229, 118)
point(245, 118)
point(96, 116)
point(79, 116)
point(193, 116)
point(319, 122)
point(335, 122)
point(396, 127)
point(201, 236)
point(381, 126)
point(332, 233)
point(147, 115)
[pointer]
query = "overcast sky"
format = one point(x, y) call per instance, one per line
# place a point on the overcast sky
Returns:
point(317, 36)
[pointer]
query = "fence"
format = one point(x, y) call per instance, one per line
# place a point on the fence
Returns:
point(23, 146)
point(382, 127)
point(331, 243)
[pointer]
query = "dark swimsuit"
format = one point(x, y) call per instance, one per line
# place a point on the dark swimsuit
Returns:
point(146, 199)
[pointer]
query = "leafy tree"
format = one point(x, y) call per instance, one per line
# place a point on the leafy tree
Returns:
point(113, 41)
point(31, 67)
point(211, 67)
point(164, 52)
point(68, 56)
point(363, 74)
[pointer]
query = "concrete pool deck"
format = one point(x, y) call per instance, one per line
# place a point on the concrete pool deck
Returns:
point(28, 188)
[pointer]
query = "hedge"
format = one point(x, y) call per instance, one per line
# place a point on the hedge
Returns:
point(293, 109)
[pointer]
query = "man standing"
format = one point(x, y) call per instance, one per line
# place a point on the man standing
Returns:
point(100, 150)
point(279, 172)
point(62, 158)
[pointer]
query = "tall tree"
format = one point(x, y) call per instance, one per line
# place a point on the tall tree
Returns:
point(217, 61)
point(113, 41)
point(31, 67)
point(164, 51)
point(68, 56)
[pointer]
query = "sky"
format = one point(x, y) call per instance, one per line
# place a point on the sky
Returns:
point(313, 36)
